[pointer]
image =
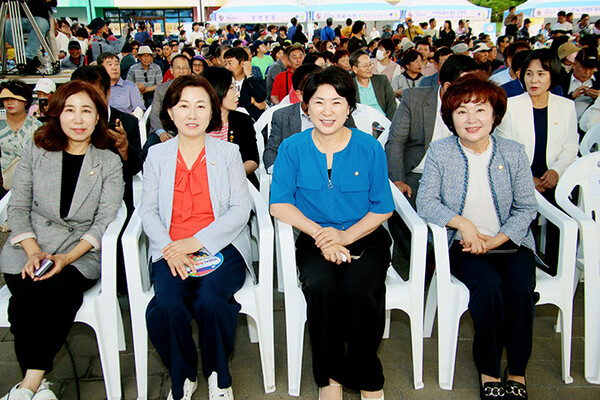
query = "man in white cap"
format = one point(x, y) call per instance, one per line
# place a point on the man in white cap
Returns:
point(145, 74)
point(44, 89)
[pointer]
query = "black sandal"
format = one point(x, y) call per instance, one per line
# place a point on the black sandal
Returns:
point(514, 390)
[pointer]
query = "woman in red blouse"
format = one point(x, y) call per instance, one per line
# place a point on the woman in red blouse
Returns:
point(195, 209)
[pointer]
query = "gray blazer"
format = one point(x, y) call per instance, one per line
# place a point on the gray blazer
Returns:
point(411, 131)
point(285, 123)
point(159, 95)
point(228, 195)
point(444, 185)
point(34, 206)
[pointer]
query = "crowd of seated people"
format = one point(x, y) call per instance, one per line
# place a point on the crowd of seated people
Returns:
point(459, 105)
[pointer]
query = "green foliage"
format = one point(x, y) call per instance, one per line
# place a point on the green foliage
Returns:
point(498, 7)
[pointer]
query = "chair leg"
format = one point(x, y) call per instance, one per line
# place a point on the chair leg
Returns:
point(448, 323)
point(108, 347)
point(140, 350)
point(430, 307)
point(592, 334)
point(295, 344)
point(265, 338)
point(388, 318)
point(252, 329)
point(416, 333)
point(567, 321)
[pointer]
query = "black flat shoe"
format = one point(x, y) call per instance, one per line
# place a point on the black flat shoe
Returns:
point(491, 390)
point(514, 390)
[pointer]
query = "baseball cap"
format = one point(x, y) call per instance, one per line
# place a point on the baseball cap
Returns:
point(566, 49)
point(588, 57)
point(256, 44)
point(460, 48)
point(74, 45)
point(480, 47)
point(45, 85)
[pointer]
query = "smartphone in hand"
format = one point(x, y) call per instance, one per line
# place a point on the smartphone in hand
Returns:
point(45, 265)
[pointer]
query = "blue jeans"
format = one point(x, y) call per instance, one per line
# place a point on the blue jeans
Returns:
point(33, 43)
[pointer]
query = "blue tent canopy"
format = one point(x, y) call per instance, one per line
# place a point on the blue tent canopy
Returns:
point(443, 9)
point(260, 11)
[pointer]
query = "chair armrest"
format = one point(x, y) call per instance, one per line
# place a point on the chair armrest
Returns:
point(568, 235)
point(442, 259)
point(266, 236)
point(4, 207)
point(137, 272)
point(109, 254)
point(287, 255)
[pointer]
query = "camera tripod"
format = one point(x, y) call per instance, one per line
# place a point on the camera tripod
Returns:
point(11, 8)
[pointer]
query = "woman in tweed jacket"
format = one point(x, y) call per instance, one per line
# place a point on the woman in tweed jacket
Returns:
point(480, 187)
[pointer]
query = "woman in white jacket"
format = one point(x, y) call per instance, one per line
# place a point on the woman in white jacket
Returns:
point(547, 125)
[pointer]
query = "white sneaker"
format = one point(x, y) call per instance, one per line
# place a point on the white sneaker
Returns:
point(17, 393)
point(214, 392)
point(189, 388)
point(44, 392)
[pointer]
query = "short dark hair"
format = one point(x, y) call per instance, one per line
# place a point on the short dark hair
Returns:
point(339, 53)
point(387, 44)
point(288, 50)
point(189, 50)
point(221, 49)
point(423, 42)
point(431, 20)
point(335, 76)
point(514, 48)
point(106, 56)
point(173, 95)
point(19, 88)
point(455, 65)
point(410, 56)
point(473, 87)
point(294, 21)
point(300, 75)
point(550, 62)
point(178, 56)
point(51, 136)
point(220, 79)
point(355, 56)
point(329, 21)
point(358, 26)
point(441, 52)
point(237, 53)
point(561, 14)
point(311, 58)
point(519, 59)
point(275, 50)
point(348, 21)
point(94, 74)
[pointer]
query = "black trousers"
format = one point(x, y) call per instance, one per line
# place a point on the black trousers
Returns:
point(502, 301)
point(209, 300)
point(42, 313)
point(346, 310)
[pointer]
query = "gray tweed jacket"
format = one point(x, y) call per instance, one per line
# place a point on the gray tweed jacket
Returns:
point(34, 206)
point(228, 194)
point(444, 186)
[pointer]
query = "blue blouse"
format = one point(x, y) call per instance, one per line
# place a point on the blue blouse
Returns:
point(359, 180)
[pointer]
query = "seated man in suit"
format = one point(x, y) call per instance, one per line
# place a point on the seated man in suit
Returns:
point(123, 128)
point(292, 119)
point(252, 89)
point(417, 123)
point(372, 90)
point(180, 66)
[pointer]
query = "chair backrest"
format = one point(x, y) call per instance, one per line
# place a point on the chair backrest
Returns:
point(144, 126)
point(370, 120)
point(591, 140)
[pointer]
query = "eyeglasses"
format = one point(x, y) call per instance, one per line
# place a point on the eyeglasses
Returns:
point(145, 77)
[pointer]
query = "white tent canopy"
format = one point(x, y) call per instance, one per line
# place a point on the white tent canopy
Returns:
point(365, 10)
point(423, 10)
point(260, 11)
point(549, 8)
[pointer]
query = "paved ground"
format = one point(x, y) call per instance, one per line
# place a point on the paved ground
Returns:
point(543, 374)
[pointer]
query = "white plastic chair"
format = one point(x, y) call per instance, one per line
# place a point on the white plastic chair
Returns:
point(591, 139)
point(364, 116)
point(400, 294)
point(451, 296)
point(585, 173)
point(99, 310)
point(143, 124)
point(256, 299)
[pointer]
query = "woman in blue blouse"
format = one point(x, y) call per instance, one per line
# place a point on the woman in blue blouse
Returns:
point(480, 187)
point(331, 183)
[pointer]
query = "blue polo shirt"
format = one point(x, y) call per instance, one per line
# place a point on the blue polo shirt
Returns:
point(359, 180)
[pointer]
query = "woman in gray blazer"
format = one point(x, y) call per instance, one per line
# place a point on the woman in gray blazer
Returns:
point(195, 210)
point(480, 186)
point(66, 189)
